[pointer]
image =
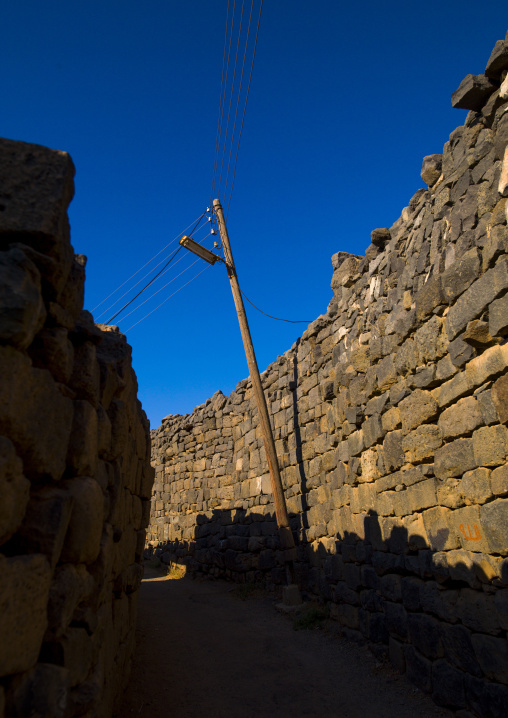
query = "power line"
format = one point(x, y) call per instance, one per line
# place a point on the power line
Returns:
point(290, 321)
point(167, 298)
point(105, 311)
point(141, 268)
point(239, 94)
point(157, 275)
point(160, 290)
point(223, 96)
point(220, 105)
point(231, 95)
point(245, 107)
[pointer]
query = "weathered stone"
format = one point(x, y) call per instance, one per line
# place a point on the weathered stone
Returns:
point(379, 237)
point(498, 60)
point(82, 451)
point(476, 298)
point(477, 334)
point(475, 486)
point(14, 490)
point(461, 418)
point(476, 611)
point(492, 655)
point(22, 310)
point(469, 529)
point(85, 378)
point(421, 443)
point(490, 445)
point(418, 669)
point(498, 317)
point(459, 649)
point(416, 409)
point(454, 458)
point(499, 481)
point(472, 93)
point(31, 206)
point(500, 398)
point(52, 350)
point(429, 297)
point(437, 526)
point(45, 524)
point(431, 169)
point(23, 596)
point(494, 520)
point(372, 430)
point(42, 692)
point(33, 415)
point(460, 352)
point(447, 685)
point(83, 538)
point(393, 454)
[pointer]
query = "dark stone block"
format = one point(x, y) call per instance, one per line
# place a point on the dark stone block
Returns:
point(447, 685)
point(370, 579)
point(378, 631)
point(425, 634)
point(410, 591)
point(492, 655)
point(371, 600)
point(344, 594)
point(418, 669)
point(488, 700)
point(498, 60)
point(390, 587)
point(387, 562)
point(352, 576)
point(460, 352)
point(396, 619)
point(473, 92)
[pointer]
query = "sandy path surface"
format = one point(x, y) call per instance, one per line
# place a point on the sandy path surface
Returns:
point(203, 652)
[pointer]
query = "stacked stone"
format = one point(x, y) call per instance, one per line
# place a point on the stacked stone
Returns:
point(390, 420)
point(75, 478)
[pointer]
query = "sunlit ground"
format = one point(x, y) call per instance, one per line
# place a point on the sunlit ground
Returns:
point(174, 571)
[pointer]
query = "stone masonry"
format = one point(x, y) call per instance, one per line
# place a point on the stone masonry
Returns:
point(75, 477)
point(390, 417)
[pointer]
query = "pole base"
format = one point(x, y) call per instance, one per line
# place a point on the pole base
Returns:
point(291, 595)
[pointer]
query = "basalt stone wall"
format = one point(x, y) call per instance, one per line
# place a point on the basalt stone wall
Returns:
point(75, 477)
point(390, 420)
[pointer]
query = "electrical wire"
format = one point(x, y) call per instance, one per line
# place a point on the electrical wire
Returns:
point(290, 321)
point(239, 94)
point(105, 311)
point(244, 109)
point(231, 95)
point(167, 298)
point(160, 290)
point(220, 105)
point(141, 268)
point(156, 276)
point(223, 96)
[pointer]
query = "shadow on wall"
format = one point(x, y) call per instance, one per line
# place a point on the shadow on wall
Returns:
point(419, 606)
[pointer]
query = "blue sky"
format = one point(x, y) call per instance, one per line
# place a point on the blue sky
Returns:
point(345, 102)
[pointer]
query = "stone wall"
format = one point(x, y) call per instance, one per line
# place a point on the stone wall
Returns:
point(75, 478)
point(390, 421)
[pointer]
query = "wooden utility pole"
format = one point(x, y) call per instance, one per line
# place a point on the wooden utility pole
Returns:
point(281, 513)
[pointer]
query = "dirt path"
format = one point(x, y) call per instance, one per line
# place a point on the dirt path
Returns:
point(203, 652)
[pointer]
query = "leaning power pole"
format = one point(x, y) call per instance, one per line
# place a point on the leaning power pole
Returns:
point(286, 535)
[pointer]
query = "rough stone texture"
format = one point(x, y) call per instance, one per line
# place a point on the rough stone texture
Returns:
point(73, 506)
point(389, 418)
point(473, 92)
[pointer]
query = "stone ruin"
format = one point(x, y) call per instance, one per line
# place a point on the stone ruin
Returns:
point(390, 418)
point(75, 475)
